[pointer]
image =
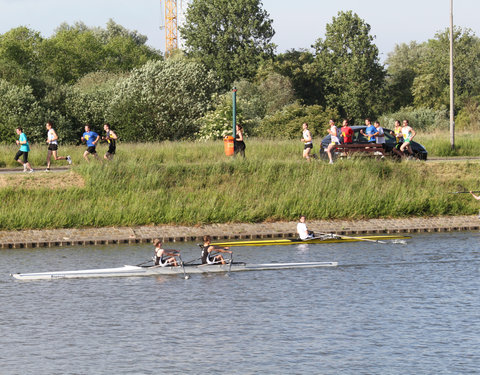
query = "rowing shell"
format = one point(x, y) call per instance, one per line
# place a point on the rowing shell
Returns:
point(158, 270)
point(322, 239)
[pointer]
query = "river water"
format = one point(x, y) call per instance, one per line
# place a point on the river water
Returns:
point(409, 308)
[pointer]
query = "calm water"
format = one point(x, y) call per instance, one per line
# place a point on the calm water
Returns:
point(387, 309)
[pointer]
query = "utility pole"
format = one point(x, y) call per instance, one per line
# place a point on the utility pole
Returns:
point(452, 102)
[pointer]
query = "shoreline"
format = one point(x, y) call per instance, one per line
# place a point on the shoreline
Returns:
point(230, 231)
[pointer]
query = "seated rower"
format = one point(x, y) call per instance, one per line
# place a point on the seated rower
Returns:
point(302, 230)
point(208, 255)
point(164, 257)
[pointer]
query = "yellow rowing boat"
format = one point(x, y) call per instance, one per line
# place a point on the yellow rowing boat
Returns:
point(323, 239)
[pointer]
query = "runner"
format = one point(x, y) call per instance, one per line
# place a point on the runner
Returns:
point(397, 132)
point(370, 131)
point(302, 230)
point(379, 134)
point(91, 138)
point(333, 131)
point(408, 134)
point(307, 140)
point(24, 149)
point(347, 132)
point(52, 141)
point(239, 144)
point(163, 257)
point(111, 138)
point(208, 255)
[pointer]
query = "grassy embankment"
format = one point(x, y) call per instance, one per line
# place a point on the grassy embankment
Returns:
point(194, 183)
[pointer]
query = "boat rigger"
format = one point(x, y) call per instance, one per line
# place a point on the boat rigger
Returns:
point(130, 271)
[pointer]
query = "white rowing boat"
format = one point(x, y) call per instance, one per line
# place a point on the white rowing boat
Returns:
point(128, 271)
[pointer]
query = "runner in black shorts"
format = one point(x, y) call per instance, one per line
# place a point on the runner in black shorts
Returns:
point(111, 138)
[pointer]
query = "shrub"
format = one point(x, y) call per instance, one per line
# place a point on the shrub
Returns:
point(419, 118)
point(287, 123)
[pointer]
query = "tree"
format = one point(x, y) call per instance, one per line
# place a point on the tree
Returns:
point(348, 62)
point(162, 100)
point(19, 62)
point(230, 37)
point(74, 51)
point(403, 64)
point(298, 65)
point(431, 84)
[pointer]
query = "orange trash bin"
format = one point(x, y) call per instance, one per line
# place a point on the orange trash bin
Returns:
point(228, 145)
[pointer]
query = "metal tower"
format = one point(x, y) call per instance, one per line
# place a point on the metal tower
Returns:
point(171, 27)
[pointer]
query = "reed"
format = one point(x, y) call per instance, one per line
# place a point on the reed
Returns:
point(194, 183)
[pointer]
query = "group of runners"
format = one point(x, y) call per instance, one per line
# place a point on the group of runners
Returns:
point(89, 137)
point(374, 133)
point(210, 254)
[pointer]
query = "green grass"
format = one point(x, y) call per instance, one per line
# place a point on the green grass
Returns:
point(194, 183)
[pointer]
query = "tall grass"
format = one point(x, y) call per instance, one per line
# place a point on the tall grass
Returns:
point(194, 183)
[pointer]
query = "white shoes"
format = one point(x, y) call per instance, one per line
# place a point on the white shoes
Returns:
point(69, 159)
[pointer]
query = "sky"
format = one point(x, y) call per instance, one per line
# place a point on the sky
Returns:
point(298, 24)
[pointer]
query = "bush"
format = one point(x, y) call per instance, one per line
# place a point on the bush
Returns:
point(18, 107)
point(419, 118)
point(287, 123)
point(163, 100)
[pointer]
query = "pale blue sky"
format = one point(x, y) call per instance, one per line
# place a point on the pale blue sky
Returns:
point(297, 23)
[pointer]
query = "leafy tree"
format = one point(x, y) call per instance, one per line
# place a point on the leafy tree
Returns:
point(348, 62)
point(18, 107)
point(162, 100)
point(403, 64)
point(19, 62)
point(298, 65)
point(230, 37)
point(431, 84)
point(74, 51)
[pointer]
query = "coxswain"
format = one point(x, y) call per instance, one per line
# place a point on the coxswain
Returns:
point(164, 257)
point(302, 230)
point(210, 253)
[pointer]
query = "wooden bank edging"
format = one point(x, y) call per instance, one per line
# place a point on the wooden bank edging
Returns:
point(137, 239)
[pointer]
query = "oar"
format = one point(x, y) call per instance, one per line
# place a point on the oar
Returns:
point(148, 261)
point(231, 261)
point(356, 238)
point(185, 276)
point(464, 192)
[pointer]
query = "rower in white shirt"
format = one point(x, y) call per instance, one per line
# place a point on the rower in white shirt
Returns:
point(302, 230)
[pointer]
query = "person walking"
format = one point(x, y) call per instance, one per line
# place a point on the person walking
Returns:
point(52, 142)
point(23, 151)
point(91, 138)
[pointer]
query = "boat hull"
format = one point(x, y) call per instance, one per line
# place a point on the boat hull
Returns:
point(132, 271)
point(337, 239)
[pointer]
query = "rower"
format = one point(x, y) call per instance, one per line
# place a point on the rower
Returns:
point(302, 230)
point(164, 257)
point(208, 252)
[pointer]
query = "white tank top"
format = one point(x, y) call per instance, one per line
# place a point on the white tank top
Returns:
point(334, 138)
point(306, 134)
point(51, 135)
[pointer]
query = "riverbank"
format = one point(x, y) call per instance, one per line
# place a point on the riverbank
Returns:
point(171, 233)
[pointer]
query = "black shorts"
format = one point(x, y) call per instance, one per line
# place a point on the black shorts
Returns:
point(308, 145)
point(111, 150)
point(92, 150)
point(52, 147)
point(25, 156)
